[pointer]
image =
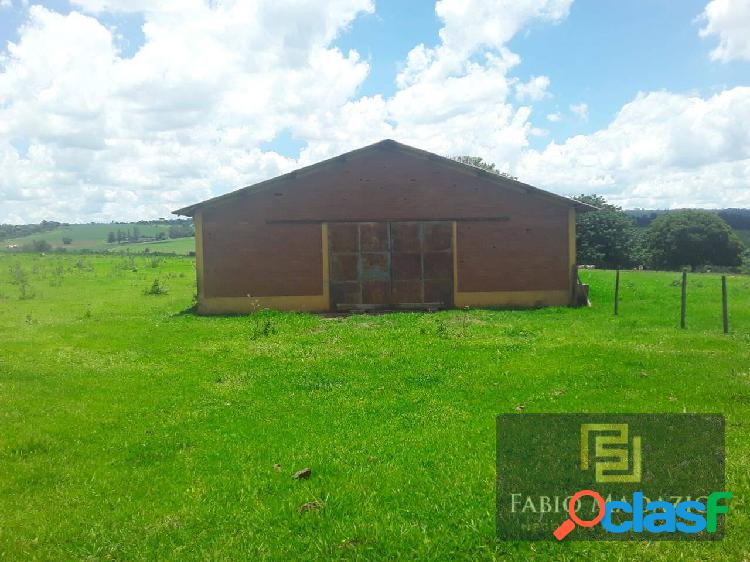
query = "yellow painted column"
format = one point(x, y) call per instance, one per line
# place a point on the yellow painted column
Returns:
point(454, 247)
point(326, 269)
point(572, 265)
point(198, 222)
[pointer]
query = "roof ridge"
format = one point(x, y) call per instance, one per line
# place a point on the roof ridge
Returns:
point(390, 144)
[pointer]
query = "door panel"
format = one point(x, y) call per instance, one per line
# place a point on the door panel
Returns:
point(345, 267)
point(391, 265)
point(437, 237)
point(406, 267)
point(406, 237)
point(373, 236)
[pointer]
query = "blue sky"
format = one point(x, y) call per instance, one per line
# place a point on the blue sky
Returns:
point(130, 108)
point(603, 54)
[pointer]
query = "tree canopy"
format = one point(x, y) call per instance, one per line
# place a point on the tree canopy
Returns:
point(606, 237)
point(694, 238)
point(481, 163)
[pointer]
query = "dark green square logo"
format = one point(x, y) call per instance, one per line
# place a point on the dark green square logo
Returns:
point(650, 476)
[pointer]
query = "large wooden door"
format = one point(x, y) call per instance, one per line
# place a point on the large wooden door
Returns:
point(391, 264)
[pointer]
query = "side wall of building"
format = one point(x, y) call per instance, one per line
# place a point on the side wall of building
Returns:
point(269, 248)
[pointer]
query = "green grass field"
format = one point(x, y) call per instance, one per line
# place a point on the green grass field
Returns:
point(132, 429)
point(94, 237)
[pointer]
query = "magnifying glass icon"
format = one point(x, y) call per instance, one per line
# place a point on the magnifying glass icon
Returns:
point(569, 524)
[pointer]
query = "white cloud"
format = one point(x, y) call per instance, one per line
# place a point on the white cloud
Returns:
point(581, 110)
point(453, 98)
point(5, 4)
point(182, 119)
point(662, 149)
point(730, 20)
point(533, 90)
point(88, 133)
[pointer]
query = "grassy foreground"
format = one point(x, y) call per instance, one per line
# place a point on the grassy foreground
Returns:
point(132, 430)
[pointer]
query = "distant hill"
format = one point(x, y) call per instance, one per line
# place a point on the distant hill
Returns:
point(168, 236)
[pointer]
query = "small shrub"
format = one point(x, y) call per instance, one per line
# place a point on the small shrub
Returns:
point(57, 276)
point(262, 327)
point(128, 264)
point(155, 261)
point(67, 240)
point(156, 288)
point(40, 246)
point(19, 276)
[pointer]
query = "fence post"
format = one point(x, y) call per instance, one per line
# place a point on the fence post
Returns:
point(724, 303)
point(683, 303)
point(617, 291)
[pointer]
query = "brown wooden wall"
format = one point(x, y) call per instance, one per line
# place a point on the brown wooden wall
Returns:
point(253, 246)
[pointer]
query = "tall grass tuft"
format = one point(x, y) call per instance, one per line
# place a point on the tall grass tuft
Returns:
point(156, 288)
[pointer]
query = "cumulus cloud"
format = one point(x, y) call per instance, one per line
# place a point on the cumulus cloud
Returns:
point(730, 21)
point(453, 98)
point(661, 150)
point(87, 132)
point(533, 90)
point(181, 120)
point(581, 110)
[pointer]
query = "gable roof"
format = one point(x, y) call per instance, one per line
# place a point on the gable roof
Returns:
point(389, 144)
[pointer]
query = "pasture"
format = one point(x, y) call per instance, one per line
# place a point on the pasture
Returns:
point(94, 237)
point(132, 429)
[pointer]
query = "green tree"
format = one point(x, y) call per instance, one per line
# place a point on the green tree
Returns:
point(606, 237)
point(478, 162)
point(111, 238)
point(67, 240)
point(694, 238)
point(181, 230)
point(40, 246)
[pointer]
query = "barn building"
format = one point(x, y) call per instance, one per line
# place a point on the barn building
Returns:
point(385, 226)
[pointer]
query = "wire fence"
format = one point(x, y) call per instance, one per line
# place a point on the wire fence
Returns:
point(705, 301)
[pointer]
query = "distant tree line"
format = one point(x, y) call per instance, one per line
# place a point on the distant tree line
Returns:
point(736, 218)
point(19, 230)
point(658, 239)
point(177, 229)
point(610, 237)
